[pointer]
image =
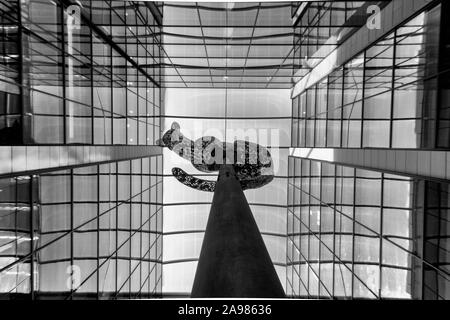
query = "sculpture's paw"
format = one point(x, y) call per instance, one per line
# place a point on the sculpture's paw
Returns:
point(193, 182)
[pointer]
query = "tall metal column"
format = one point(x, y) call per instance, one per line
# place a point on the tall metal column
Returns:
point(234, 261)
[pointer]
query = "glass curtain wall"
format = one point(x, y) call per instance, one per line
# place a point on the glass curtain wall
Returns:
point(228, 45)
point(89, 232)
point(83, 73)
point(355, 233)
point(323, 25)
point(92, 79)
point(385, 97)
point(363, 234)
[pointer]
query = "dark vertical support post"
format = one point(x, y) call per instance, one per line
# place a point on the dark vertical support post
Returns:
point(234, 261)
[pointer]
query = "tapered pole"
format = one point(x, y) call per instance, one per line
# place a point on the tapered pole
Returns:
point(234, 261)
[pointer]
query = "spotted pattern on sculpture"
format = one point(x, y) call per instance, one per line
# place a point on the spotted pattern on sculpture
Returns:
point(252, 163)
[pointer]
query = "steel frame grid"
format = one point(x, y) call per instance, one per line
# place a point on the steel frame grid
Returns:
point(383, 238)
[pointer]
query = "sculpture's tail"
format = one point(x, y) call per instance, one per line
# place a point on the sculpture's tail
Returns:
point(193, 182)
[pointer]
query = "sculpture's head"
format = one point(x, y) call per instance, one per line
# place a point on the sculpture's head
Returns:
point(172, 137)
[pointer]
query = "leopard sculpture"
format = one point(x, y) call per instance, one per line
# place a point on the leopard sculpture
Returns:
point(251, 162)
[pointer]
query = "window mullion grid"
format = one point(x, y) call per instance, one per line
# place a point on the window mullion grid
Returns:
point(299, 163)
point(309, 226)
point(16, 242)
point(151, 289)
point(380, 256)
point(314, 117)
point(353, 233)
point(204, 43)
point(289, 212)
point(127, 122)
point(147, 54)
point(110, 50)
point(299, 128)
point(296, 256)
point(326, 111)
point(141, 232)
point(150, 269)
point(63, 62)
point(391, 116)
point(116, 165)
point(320, 224)
point(361, 142)
point(249, 45)
point(130, 211)
point(72, 234)
point(342, 89)
point(32, 241)
point(98, 232)
point(91, 47)
point(334, 228)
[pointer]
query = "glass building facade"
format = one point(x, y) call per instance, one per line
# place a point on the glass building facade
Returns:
point(384, 97)
point(350, 98)
point(356, 233)
point(88, 232)
point(81, 211)
point(376, 102)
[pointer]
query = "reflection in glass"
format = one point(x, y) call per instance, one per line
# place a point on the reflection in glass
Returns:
point(386, 230)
